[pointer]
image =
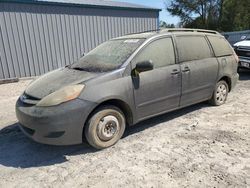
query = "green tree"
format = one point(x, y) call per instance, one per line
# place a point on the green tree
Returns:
point(165, 25)
point(222, 15)
point(235, 15)
point(196, 13)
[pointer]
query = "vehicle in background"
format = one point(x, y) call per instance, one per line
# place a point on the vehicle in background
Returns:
point(124, 81)
point(236, 36)
point(242, 49)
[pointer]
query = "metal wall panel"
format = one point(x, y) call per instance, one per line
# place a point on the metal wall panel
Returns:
point(35, 39)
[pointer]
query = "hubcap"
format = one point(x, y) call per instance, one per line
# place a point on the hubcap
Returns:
point(108, 127)
point(221, 93)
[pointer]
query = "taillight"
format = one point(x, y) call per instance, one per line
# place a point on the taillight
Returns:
point(235, 55)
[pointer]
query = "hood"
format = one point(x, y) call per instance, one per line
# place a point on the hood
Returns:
point(55, 80)
point(243, 43)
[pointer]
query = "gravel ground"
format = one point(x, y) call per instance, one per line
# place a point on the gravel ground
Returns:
point(199, 146)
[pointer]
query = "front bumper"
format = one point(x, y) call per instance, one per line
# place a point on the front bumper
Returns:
point(56, 125)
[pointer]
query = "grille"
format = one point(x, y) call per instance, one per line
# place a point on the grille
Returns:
point(243, 51)
point(25, 98)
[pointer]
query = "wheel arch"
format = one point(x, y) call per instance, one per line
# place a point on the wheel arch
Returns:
point(123, 106)
point(228, 80)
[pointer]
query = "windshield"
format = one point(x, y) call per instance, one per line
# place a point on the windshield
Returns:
point(108, 56)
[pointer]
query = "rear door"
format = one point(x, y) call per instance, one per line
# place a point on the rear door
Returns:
point(158, 90)
point(199, 68)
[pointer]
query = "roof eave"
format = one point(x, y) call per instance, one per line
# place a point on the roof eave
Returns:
point(80, 5)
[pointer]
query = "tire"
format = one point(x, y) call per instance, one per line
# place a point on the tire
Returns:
point(105, 127)
point(220, 93)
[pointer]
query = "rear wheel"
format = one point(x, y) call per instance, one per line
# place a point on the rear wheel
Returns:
point(105, 127)
point(220, 93)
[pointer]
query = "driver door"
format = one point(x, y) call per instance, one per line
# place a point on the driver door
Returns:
point(158, 90)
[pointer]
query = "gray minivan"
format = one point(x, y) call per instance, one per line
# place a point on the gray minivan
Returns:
point(126, 80)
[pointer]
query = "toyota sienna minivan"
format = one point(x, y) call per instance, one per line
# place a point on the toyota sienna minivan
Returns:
point(126, 80)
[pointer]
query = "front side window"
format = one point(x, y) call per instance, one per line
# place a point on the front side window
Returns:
point(160, 52)
point(192, 48)
point(108, 56)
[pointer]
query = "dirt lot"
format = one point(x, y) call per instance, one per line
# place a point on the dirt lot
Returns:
point(199, 146)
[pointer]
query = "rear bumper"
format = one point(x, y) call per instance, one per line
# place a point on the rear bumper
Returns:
point(234, 80)
point(57, 125)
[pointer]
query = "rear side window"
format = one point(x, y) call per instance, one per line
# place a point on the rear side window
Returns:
point(160, 52)
point(193, 48)
point(221, 46)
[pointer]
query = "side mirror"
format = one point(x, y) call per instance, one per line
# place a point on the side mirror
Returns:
point(144, 66)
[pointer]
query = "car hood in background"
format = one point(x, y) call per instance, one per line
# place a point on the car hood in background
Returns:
point(245, 43)
point(55, 80)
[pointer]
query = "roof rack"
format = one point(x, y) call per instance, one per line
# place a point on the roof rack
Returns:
point(176, 30)
point(189, 30)
point(147, 31)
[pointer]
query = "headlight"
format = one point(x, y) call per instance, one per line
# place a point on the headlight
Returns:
point(62, 95)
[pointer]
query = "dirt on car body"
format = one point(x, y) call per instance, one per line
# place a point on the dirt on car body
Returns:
point(198, 146)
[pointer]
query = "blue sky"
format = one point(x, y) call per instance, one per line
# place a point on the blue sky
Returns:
point(164, 15)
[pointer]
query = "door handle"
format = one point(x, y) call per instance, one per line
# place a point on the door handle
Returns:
point(175, 71)
point(186, 69)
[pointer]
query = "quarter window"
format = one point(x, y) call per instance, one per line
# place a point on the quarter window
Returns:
point(221, 46)
point(160, 52)
point(193, 48)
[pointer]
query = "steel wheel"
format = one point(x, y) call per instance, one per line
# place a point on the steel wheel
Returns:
point(105, 127)
point(108, 127)
point(220, 93)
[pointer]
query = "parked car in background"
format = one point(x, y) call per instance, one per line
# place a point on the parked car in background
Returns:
point(126, 80)
point(242, 49)
point(236, 36)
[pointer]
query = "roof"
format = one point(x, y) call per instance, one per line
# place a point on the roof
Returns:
point(88, 3)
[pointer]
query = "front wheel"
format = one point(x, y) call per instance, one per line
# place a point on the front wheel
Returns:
point(220, 93)
point(105, 127)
